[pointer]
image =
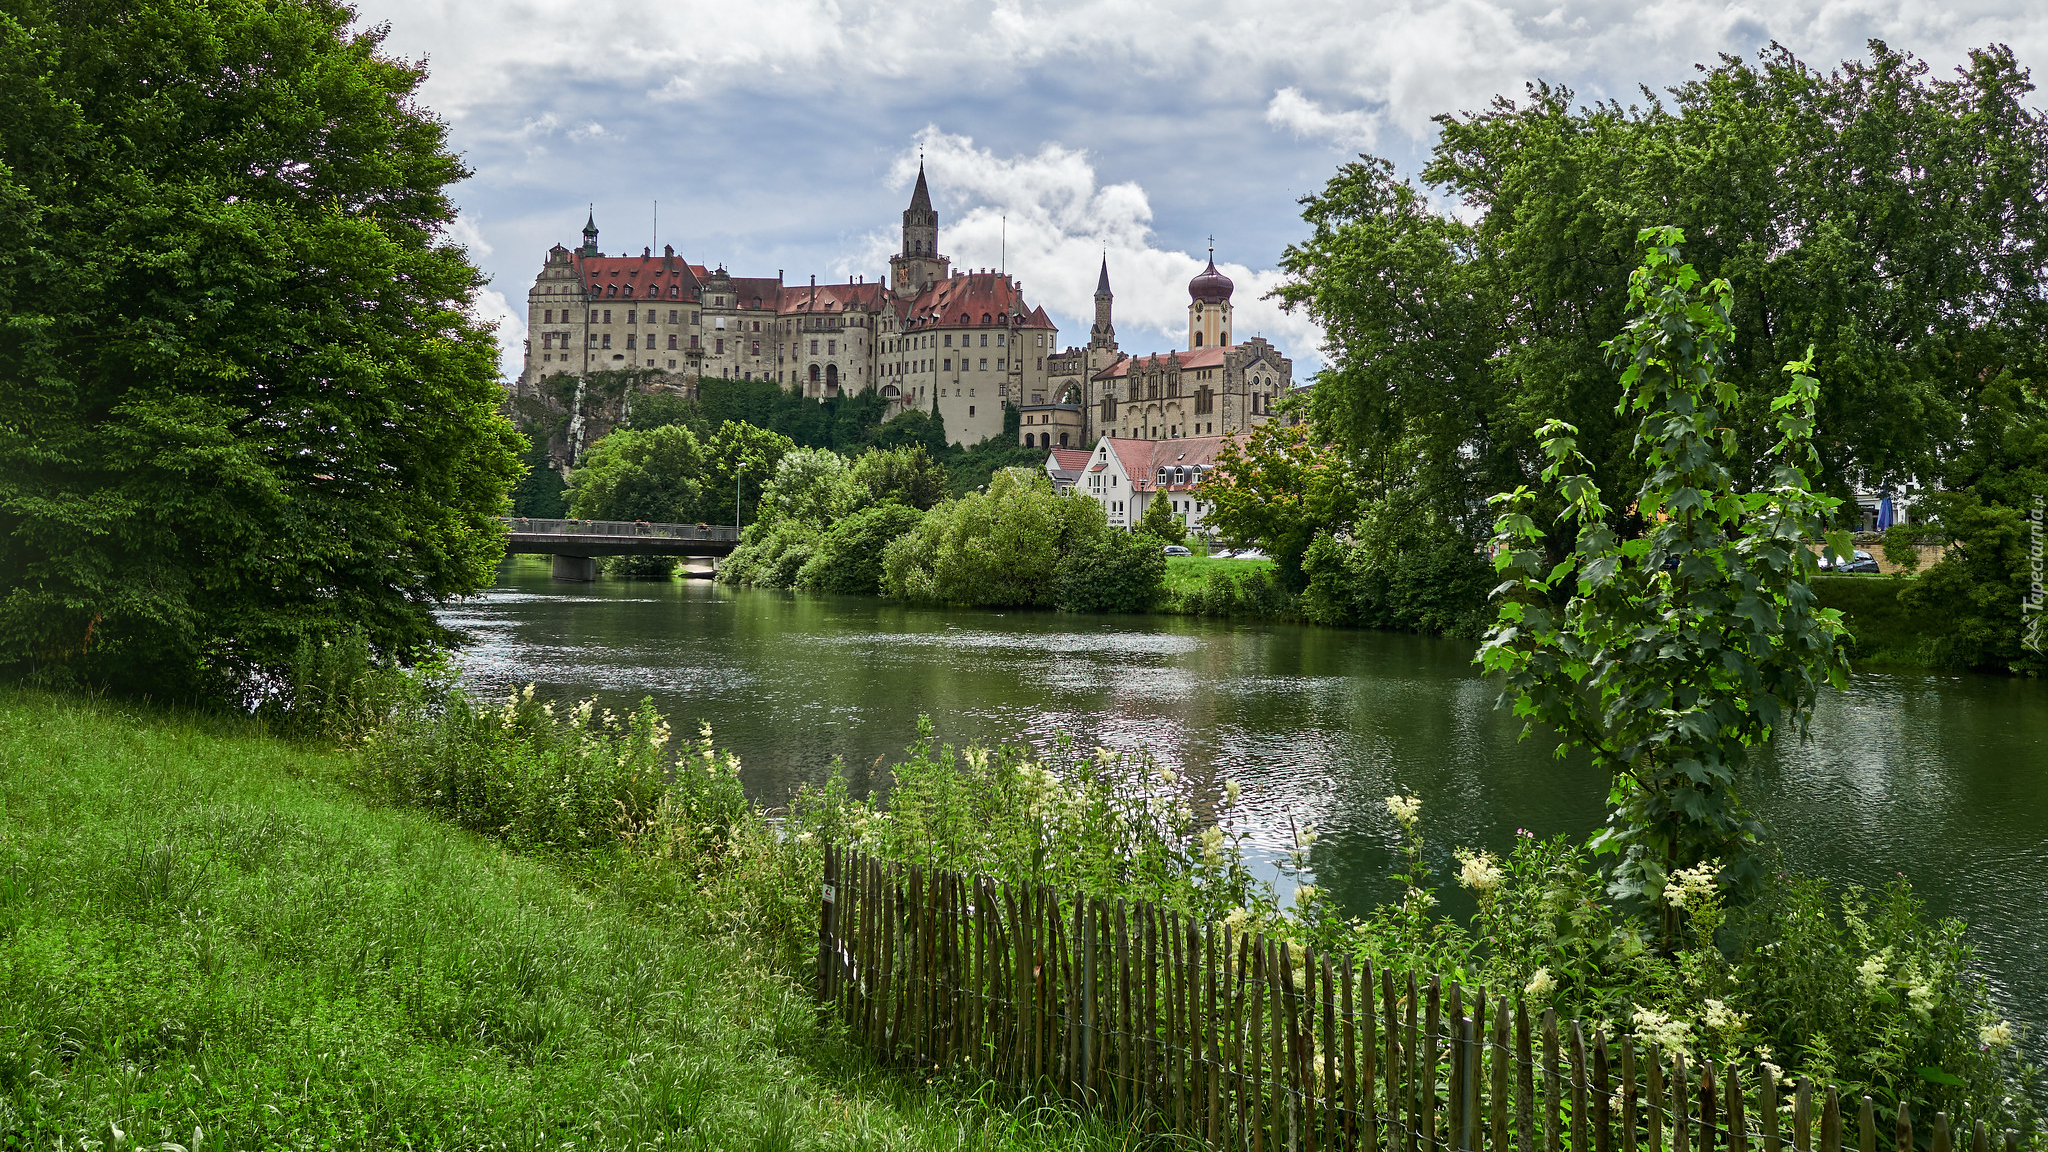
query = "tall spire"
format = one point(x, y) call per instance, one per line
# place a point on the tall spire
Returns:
point(1102, 281)
point(921, 197)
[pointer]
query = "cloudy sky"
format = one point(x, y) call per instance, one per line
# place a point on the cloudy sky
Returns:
point(784, 134)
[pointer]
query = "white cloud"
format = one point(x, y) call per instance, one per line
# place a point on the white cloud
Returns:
point(1046, 214)
point(1302, 116)
point(494, 308)
point(464, 231)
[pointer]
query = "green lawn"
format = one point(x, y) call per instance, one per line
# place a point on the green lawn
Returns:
point(1184, 573)
point(205, 928)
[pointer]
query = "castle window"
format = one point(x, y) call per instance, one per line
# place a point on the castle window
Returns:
point(671, 315)
point(674, 290)
point(607, 315)
point(984, 320)
point(607, 340)
point(831, 347)
point(999, 339)
point(632, 317)
point(949, 340)
point(984, 335)
point(1198, 339)
point(970, 409)
point(984, 363)
point(721, 348)
point(629, 341)
point(814, 347)
point(671, 343)
point(548, 317)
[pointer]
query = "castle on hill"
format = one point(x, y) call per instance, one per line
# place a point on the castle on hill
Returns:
point(965, 342)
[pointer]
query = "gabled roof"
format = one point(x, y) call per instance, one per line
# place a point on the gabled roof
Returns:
point(1071, 459)
point(1142, 459)
point(639, 273)
point(973, 295)
point(1196, 358)
point(797, 298)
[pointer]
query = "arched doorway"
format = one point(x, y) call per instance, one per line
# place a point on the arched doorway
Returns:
point(831, 379)
point(1063, 439)
point(814, 377)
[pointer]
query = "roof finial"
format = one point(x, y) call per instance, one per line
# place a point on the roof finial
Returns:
point(1212, 247)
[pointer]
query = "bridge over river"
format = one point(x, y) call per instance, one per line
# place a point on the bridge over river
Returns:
point(576, 544)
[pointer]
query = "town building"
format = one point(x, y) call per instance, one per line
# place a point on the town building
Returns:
point(1125, 474)
point(1213, 387)
point(958, 343)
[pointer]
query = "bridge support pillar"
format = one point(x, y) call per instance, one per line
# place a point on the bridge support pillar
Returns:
point(575, 569)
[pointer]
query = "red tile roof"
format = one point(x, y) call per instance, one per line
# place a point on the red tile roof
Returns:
point(1071, 459)
point(1142, 459)
point(966, 297)
point(1195, 358)
point(638, 273)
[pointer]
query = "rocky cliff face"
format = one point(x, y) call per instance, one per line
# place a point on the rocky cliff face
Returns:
point(569, 414)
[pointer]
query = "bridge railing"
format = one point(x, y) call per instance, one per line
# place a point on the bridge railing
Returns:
point(639, 528)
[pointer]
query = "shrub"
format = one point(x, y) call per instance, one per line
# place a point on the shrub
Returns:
point(907, 475)
point(770, 554)
point(1252, 595)
point(999, 548)
point(1400, 574)
point(848, 557)
point(1161, 521)
point(1113, 572)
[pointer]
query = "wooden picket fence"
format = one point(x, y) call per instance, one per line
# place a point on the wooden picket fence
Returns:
point(1244, 1042)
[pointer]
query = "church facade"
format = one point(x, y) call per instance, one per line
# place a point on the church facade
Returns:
point(1213, 387)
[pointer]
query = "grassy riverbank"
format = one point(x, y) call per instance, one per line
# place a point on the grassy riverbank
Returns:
point(202, 927)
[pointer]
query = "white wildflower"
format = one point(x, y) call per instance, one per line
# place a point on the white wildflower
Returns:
point(1306, 836)
point(1539, 985)
point(1232, 790)
point(1690, 886)
point(1212, 843)
point(1871, 972)
point(1166, 775)
point(1236, 919)
point(1996, 1035)
point(1920, 998)
point(527, 696)
point(1103, 755)
point(1724, 1019)
point(1480, 871)
point(1305, 895)
point(1657, 1028)
point(1406, 809)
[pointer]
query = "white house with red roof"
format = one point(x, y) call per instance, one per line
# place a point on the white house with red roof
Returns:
point(1126, 474)
point(959, 343)
point(1065, 467)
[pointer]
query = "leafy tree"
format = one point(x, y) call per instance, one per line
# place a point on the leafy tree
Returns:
point(248, 402)
point(1887, 218)
point(1673, 653)
point(1113, 572)
point(1279, 489)
point(658, 475)
point(915, 428)
point(741, 459)
point(812, 485)
point(999, 548)
point(906, 475)
point(541, 493)
point(1161, 522)
point(848, 558)
point(1972, 600)
point(1402, 568)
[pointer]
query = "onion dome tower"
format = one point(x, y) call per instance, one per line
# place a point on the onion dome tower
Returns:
point(1209, 305)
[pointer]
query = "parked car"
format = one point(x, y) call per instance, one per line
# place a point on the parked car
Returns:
point(1249, 554)
point(1177, 550)
point(1859, 561)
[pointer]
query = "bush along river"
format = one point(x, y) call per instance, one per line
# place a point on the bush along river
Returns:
point(1938, 777)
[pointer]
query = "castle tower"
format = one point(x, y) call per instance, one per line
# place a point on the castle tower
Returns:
point(1209, 305)
point(919, 263)
point(1103, 334)
point(590, 234)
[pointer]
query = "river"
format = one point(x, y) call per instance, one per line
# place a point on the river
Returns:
point(1942, 778)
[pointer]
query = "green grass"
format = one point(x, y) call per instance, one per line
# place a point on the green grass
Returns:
point(204, 928)
point(1188, 573)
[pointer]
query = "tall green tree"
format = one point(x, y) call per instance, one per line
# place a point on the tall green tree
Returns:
point(246, 402)
point(1886, 217)
point(1668, 655)
point(660, 475)
point(1278, 489)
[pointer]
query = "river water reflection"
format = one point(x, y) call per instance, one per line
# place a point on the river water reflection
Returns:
point(1942, 778)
